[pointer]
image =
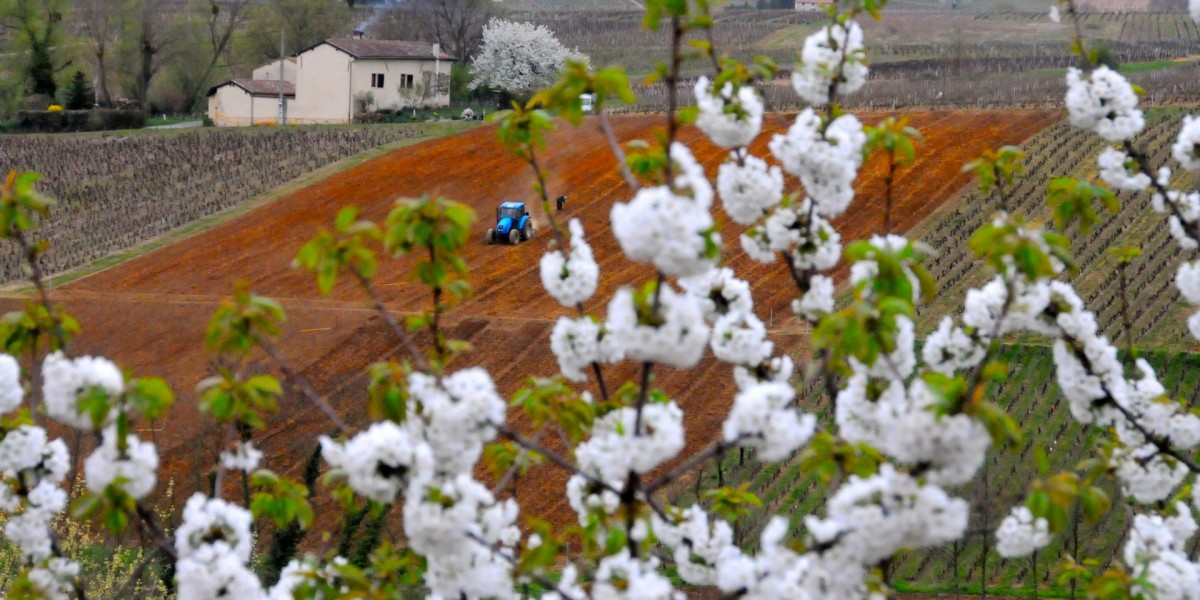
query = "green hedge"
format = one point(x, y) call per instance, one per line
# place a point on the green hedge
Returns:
point(100, 119)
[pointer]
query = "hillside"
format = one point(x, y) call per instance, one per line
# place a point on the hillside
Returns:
point(156, 306)
point(1158, 315)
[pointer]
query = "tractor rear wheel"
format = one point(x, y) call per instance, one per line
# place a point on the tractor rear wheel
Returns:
point(491, 237)
point(514, 237)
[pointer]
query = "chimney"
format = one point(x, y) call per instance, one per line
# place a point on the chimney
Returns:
point(437, 50)
point(360, 33)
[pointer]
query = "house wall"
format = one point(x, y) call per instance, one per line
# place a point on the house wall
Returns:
point(390, 96)
point(232, 106)
point(329, 83)
point(271, 71)
point(229, 107)
point(323, 87)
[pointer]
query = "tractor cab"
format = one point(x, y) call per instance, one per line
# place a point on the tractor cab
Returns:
point(513, 224)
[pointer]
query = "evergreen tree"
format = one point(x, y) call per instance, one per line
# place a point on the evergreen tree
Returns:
point(79, 95)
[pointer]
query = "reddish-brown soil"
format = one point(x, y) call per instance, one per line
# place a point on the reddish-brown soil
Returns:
point(149, 314)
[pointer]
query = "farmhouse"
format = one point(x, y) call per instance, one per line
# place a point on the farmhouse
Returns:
point(811, 5)
point(241, 102)
point(335, 80)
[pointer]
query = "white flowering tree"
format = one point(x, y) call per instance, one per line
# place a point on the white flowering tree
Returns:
point(910, 428)
point(519, 58)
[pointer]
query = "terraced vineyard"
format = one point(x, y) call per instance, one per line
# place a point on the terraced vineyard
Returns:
point(1157, 315)
point(1029, 393)
point(1031, 396)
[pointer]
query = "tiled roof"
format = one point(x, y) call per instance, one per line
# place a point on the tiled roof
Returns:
point(367, 48)
point(259, 87)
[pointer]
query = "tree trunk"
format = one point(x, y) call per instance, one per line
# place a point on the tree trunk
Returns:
point(147, 52)
point(102, 84)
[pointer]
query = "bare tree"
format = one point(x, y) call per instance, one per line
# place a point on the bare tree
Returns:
point(144, 46)
point(34, 26)
point(102, 22)
point(216, 20)
point(304, 23)
point(455, 24)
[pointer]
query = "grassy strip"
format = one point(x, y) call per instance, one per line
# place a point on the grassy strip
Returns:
point(434, 130)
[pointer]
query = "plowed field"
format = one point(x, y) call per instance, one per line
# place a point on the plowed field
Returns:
point(149, 313)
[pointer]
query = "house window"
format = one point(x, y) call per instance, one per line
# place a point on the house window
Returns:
point(406, 82)
point(377, 80)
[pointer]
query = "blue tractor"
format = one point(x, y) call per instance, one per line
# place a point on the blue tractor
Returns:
point(514, 224)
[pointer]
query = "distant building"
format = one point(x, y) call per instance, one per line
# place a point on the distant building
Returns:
point(241, 102)
point(811, 5)
point(335, 80)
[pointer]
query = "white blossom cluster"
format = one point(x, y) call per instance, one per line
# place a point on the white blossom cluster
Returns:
point(133, 469)
point(1020, 534)
point(65, 379)
point(834, 53)
point(11, 392)
point(817, 301)
point(622, 443)
point(1187, 279)
point(27, 455)
point(871, 518)
point(213, 544)
point(1157, 557)
point(623, 577)
point(748, 187)
point(669, 226)
point(518, 57)
point(867, 268)
point(1186, 149)
point(55, 580)
point(577, 343)
point(466, 536)
point(902, 423)
point(306, 572)
point(618, 446)
point(1104, 102)
point(1121, 172)
point(764, 418)
point(868, 519)
point(741, 339)
point(719, 293)
point(380, 461)
point(698, 543)
point(811, 243)
point(811, 240)
point(245, 457)
point(455, 416)
point(34, 469)
point(1184, 216)
point(730, 117)
point(826, 158)
point(573, 279)
point(676, 335)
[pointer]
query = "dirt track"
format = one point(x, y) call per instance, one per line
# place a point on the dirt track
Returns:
point(149, 314)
